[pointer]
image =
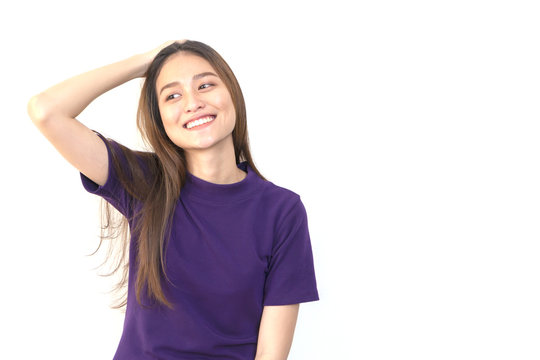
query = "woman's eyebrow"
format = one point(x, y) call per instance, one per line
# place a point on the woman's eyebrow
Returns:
point(195, 77)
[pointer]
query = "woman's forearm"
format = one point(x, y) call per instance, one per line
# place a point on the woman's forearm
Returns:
point(70, 97)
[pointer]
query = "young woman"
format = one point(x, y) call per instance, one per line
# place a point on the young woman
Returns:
point(218, 257)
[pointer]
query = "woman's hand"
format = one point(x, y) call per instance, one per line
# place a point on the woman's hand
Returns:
point(150, 55)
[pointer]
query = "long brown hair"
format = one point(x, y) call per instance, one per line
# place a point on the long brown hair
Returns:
point(158, 194)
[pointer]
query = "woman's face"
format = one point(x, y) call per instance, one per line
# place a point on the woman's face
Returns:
point(189, 89)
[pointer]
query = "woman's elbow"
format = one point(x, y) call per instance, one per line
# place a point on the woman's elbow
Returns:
point(39, 108)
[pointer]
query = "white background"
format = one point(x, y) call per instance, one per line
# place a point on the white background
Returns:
point(410, 130)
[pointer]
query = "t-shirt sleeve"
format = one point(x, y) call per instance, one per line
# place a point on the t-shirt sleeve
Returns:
point(112, 190)
point(291, 273)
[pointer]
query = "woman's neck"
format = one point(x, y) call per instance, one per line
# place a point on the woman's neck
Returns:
point(215, 165)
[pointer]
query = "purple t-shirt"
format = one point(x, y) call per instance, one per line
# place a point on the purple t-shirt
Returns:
point(234, 248)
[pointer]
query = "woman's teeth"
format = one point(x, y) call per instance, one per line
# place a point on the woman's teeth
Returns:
point(200, 121)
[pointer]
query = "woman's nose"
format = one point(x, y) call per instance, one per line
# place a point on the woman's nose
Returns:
point(192, 102)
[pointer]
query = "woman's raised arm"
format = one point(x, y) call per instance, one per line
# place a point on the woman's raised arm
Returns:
point(54, 110)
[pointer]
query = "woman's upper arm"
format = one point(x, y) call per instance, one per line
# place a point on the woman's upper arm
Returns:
point(78, 144)
point(276, 331)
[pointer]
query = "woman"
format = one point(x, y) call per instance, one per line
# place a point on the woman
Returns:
point(219, 258)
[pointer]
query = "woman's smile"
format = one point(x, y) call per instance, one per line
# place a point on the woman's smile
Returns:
point(199, 123)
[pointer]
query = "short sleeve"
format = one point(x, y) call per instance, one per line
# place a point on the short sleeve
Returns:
point(291, 273)
point(112, 190)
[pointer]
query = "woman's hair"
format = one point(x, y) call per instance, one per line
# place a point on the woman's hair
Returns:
point(158, 193)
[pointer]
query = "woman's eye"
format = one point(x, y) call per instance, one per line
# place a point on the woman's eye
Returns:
point(172, 96)
point(205, 86)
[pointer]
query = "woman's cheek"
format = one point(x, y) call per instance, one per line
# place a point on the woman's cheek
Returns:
point(169, 115)
point(222, 99)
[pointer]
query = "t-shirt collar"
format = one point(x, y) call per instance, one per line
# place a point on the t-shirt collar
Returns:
point(221, 193)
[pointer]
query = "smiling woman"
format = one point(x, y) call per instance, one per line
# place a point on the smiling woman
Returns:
point(215, 257)
point(200, 103)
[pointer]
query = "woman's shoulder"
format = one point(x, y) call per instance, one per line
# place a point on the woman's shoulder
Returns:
point(134, 170)
point(130, 160)
point(278, 194)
